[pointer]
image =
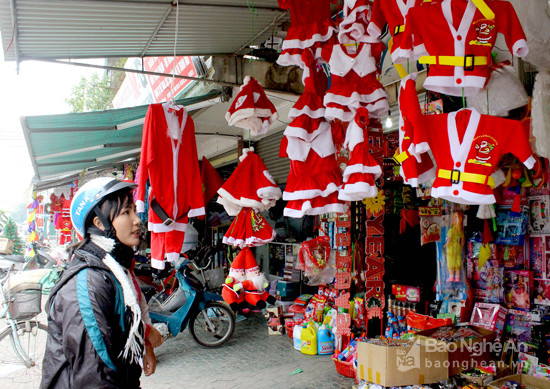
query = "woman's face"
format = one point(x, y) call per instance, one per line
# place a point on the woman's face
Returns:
point(127, 226)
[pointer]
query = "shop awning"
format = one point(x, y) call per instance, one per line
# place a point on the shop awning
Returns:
point(62, 146)
point(33, 29)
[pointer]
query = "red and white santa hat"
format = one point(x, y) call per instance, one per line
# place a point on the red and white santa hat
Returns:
point(251, 109)
point(237, 271)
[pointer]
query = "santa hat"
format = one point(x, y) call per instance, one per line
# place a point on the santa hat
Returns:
point(251, 109)
point(253, 270)
point(237, 271)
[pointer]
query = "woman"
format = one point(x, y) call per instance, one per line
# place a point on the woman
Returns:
point(99, 327)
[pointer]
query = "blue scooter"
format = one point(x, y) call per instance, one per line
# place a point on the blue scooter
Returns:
point(210, 321)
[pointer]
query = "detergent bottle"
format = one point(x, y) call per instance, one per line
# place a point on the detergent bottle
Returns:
point(297, 337)
point(309, 340)
point(325, 341)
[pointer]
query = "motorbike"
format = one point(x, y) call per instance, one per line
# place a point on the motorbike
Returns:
point(188, 303)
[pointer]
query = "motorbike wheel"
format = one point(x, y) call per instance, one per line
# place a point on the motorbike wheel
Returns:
point(212, 326)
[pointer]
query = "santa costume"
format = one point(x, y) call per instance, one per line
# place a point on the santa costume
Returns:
point(354, 81)
point(169, 161)
point(456, 40)
point(250, 186)
point(353, 28)
point(250, 229)
point(63, 224)
point(362, 170)
point(251, 109)
point(311, 27)
point(413, 171)
point(467, 148)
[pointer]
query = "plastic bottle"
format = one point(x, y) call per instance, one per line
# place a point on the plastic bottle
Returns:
point(325, 341)
point(390, 304)
point(297, 337)
point(309, 340)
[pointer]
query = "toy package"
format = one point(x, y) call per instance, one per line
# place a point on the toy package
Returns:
point(539, 215)
point(510, 256)
point(410, 294)
point(518, 288)
point(511, 226)
point(490, 316)
point(539, 255)
point(430, 229)
point(542, 292)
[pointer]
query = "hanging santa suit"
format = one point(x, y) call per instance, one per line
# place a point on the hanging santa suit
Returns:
point(169, 160)
point(353, 28)
point(311, 27)
point(467, 148)
point(63, 224)
point(310, 103)
point(413, 171)
point(250, 229)
point(250, 186)
point(353, 81)
point(393, 13)
point(456, 40)
point(362, 170)
point(251, 109)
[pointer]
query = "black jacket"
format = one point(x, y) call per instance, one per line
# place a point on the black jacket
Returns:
point(86, 334)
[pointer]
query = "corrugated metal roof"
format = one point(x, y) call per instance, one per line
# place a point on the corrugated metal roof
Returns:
point(99, 29)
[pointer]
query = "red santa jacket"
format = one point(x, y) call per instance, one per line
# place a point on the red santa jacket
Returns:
point(467, 148)
point(456, 40)
point(169, 160)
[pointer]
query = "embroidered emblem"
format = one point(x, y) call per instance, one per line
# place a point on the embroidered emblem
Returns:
point(484, 30)
point(240, 101)
point(483, 148)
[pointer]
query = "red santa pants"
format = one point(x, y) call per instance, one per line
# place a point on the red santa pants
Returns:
point(64, 237)
point(169, 243)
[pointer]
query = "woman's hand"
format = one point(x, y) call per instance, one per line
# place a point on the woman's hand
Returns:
point(154, 337)
point(149, 361)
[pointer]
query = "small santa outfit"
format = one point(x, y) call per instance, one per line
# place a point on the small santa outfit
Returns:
point(412, 171)
point(63, 224)
point(310, 103)
point(311, 27)
point(362, 170)
point(236, 275)
point(456, 40)
point(354, 81)
point(169, 161)
point(467, 148)
point(250, 185)
point(251, 109)
point(353, 28)
point(249, 229)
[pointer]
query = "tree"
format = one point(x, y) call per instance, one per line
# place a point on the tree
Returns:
point(96, 93)
point(10, 232)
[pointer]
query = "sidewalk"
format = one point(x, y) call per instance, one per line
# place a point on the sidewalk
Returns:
point(251, 359)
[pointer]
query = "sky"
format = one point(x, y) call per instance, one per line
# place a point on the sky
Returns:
point(40, 88)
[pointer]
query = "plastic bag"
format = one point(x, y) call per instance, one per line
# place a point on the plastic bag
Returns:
point(541, 114)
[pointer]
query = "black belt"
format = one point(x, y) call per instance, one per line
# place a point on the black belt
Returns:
point(161, 213)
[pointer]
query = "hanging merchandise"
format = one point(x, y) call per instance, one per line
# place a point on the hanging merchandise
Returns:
point(353, 81)
point(362, 170)
point(492, 101)
point(250, 186)
point(454, 246)
point(169, 161)
point(353, 27)
point(413, 171)
point(541, 114)
point(317, 260)
point(234, 296)
point(311, 27)
point(63, 223)
point(250, 229)
point(251, 109)
point(456, 41)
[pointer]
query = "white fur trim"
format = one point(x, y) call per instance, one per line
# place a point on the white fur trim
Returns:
point(172, 257)
point(359, 168)
point(307, 209)
point(289, 44)
point(399, 55)
point(269, 193)
point(304, 134)
point(357, 191)
point(448, 85)
point(233, 206)
point(421, 148)
point(374, 30)
point(499, 177)
point(160, 227)
point(356, 98)
point(290, 59)
point(132, 348)
point(354, 136)
point(293, 113)
point(140, 206)
point(246, 80)
point(270, 179)
point(310, 193)
point(257, 280)
point(157, 263)
point(464, 197)
point(193, 212)
point(520, 48)
point(238, 115)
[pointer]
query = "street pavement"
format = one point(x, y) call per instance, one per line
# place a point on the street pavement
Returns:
point(250, 359)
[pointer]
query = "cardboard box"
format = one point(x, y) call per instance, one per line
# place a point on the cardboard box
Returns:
point(6, 246)
point(484, 379)
point(274, 316)
point(460, 355)
point(399, 365)
point(524, 379)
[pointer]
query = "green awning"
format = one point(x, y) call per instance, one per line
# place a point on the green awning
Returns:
point(62, 146)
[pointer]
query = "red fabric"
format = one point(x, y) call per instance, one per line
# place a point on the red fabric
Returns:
point(211, 180)
point(250, 229)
